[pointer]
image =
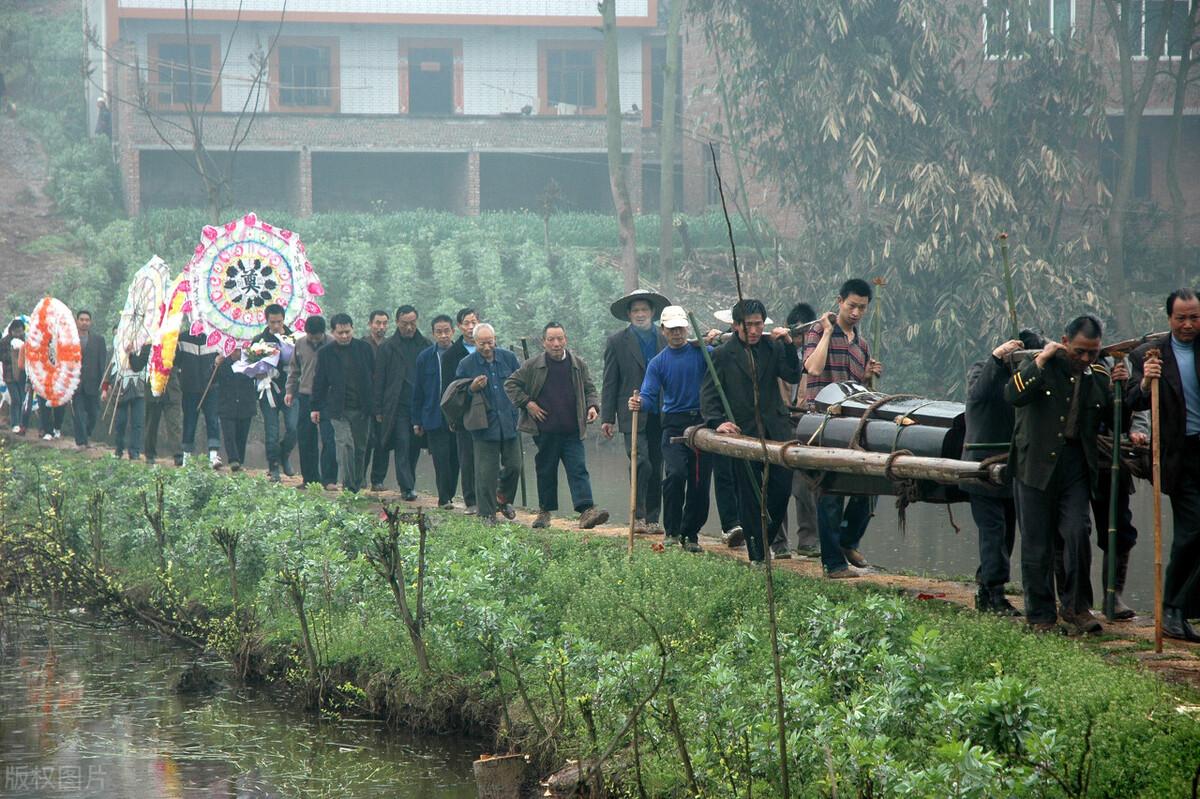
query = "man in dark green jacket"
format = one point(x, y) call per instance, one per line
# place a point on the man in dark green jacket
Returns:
point(1061, 397)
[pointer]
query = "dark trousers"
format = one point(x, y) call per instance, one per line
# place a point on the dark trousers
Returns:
point(318, 450)
point(376, 451)
point(397, 442)
point(85, 409)
point(159, 409)
point(191, 418)
point(497, 469)
point(565, 448)
point(131, 414)
point(51, 419)
point(236, 432)
point(1126, 533)
point(1181, 585)
point(350, 432)
point(16, 403)
point(779, 492)
point(841, 522)
point(466, 465)
point(1050, 518)
point(996, 520)
point(649, 470)
point(278, 449)
point(443, 449)
point(686, 477)
point(726, 490)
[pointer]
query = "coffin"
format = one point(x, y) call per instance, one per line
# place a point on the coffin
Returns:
point(929, 428)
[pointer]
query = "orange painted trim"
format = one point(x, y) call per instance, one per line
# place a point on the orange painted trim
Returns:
point(156, 40)
point(369, 18)
point(454, 45)
point(544, 46)
point(335, 74)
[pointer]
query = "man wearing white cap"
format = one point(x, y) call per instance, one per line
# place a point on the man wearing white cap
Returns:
point(626, 354)
point(671, 388)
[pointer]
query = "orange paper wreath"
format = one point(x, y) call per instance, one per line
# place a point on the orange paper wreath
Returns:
point(52, 354)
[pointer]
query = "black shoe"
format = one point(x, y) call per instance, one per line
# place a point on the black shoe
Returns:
point(507, 510)
point(411, 496)
point(1176, 626)
point(287, 467)
point(692, 546)
point(671, 540)
point(178, 458)
point(780, 552)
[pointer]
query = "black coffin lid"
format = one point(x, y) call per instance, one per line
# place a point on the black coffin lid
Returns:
point(936, 413)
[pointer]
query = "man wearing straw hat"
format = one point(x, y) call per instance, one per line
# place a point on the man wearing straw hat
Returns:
point(626, 354)
point(1178, 368)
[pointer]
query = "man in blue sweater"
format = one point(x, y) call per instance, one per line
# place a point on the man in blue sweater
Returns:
point(671, 388)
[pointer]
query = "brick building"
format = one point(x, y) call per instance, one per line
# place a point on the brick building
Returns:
point(704, 121)
point(460, 105)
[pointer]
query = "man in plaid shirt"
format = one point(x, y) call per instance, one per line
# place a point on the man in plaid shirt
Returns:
point(835, 351)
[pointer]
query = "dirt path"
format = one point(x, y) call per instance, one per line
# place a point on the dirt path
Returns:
point(1179, 661)
point(26, 214)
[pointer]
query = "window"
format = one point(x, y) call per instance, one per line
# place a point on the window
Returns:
point(572, 79)
point(305, 75)
point(1004, 20)
point(1146, 24)
point(431, 76)
point(174, 85)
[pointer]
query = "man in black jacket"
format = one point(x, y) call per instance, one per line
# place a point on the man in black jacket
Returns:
point(1174, 362)
point(395, 373)
point(271, 392)
point(466, 319)
point(774, 359)
point(342, 394)
point(990, 421)
point(626, 354)
point(85, 405)
point(196, 365)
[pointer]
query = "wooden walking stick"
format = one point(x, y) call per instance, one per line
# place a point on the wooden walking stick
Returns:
point(1156, 482)
point(204, 396)
point(521, 439)
point(1114, 486)
point(876, 325)
point(633, 475)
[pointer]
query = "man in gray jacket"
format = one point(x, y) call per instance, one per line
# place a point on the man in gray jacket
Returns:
point(558, 400)
point(318, 450)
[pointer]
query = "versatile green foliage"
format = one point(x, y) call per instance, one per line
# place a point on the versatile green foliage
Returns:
point(886, 696)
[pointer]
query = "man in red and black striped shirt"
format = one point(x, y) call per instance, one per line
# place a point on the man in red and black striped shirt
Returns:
point(835, 351)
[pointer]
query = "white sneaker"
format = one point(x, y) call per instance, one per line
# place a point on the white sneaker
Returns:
point(47, 437)
point(214, 459)
point(186, 457)
point(58, 434)
point(16, 428)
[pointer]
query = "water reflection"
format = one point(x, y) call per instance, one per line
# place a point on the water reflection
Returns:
point(88, 713)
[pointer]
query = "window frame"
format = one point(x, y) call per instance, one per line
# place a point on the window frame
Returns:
point(1007, 54)
point(335, 78)
point(155, 41)
point(545, 47)
point(407, 45)
point(1141, 54)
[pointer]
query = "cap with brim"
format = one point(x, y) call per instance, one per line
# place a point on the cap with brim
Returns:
point(725, 317)
point(620, 308)
point(674, 316)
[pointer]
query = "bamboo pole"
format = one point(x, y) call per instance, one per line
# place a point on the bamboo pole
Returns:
point(1114, 485)
point(521, 440)
point(1156, 481)
point(1116, 350)
point(633, 447)
point(795, 455)
point(1009, 294)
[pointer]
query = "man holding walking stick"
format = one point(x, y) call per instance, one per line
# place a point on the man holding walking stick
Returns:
point(1172, 362)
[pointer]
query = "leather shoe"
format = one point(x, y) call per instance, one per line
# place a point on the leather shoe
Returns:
point(1176, 626)
point(854, 557)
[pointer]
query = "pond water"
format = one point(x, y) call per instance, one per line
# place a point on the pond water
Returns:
point(91, 713)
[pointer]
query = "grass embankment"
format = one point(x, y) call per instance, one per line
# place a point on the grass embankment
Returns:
point(533, 637)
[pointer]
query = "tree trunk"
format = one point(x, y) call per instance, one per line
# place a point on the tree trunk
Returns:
point(616, 165)
point(1178, 201)
point(667, 142)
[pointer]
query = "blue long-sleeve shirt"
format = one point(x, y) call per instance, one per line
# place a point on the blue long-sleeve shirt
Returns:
point(675, 375)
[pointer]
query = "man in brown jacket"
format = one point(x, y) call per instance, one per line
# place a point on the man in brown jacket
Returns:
point(558, 400)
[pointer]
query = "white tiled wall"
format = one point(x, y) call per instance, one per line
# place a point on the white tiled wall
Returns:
point(500, 64)
point(582, 8)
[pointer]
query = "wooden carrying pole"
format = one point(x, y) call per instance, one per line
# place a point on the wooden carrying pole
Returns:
point(633, 442)
point(1156, 481)
point(1110, 577)
point(795, 455)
